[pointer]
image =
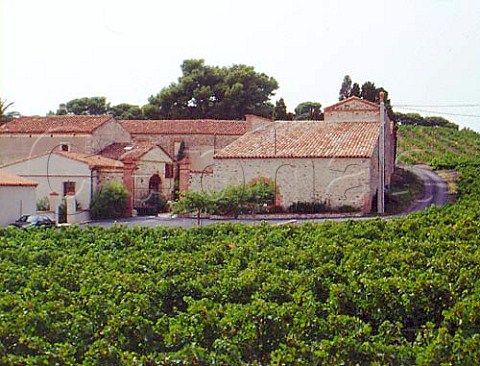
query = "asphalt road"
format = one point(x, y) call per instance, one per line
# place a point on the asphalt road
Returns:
point(435, 193)
point(435, 189)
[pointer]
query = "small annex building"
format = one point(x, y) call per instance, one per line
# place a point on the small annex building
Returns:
point(63, 173)
point(334, 162)
point(17, 197)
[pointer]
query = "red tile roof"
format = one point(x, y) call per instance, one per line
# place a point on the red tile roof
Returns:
point(54, 124)
point(124, 150)
point(12, 180)
point(185, 127)
point(306, 139)
point(93, 161)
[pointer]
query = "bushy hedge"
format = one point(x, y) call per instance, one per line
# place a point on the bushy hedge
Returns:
point(231, 201)
point(110, 202)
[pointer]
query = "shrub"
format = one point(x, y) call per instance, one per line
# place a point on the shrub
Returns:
point(43, 204)
point(346, 208)
point(307, 207)
point(232, 200)
point(110, 202)
point(153, 204)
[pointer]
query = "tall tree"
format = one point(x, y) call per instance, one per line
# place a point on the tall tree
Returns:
point(280, 111)
point(85, 106)
point(346, 88)
point(205, 91)
point(355, 92)
point(6, 116)
point(311, 111)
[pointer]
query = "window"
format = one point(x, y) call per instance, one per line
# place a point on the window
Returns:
point(68, 187)
point(168, 170)
point(64, 147)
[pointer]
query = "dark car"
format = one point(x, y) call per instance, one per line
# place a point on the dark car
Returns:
point(35, 220)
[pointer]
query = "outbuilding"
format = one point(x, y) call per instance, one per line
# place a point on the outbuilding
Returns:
point(18, 197)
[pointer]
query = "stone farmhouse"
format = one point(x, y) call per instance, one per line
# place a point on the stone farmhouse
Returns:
point(333, 161)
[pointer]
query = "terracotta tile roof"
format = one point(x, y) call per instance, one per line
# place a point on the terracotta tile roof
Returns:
point(184, 127)
point(124, 150)
point(93, 161)
point(306, 139)
point(54, 124)
point(12, 180)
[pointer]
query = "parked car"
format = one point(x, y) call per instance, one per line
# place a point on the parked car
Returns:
point(35, 220)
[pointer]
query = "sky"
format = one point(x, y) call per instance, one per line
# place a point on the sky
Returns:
point(425, 53)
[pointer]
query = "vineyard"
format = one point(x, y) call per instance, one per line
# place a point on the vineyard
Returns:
point(439, 147)
point(378, 292)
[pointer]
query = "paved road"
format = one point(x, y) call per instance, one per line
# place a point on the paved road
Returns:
point(435, 192)
point(435, 189)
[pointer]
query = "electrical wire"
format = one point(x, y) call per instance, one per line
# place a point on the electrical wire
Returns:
point(438, 105)
point(437, 112)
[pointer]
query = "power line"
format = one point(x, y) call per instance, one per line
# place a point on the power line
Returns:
point(438, 105)
point(439, 112)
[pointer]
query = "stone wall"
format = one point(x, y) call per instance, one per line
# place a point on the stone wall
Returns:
point(108, 133)
point(336, 182)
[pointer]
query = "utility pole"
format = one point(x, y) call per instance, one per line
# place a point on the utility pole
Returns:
point(381, 159)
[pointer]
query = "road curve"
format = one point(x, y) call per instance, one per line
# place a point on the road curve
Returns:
point(435, 189)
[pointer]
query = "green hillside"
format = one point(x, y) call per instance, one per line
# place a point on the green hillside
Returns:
point(378, 292)
point(436, 146)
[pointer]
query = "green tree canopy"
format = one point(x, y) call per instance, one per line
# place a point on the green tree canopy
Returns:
point(309, 111)
point(126, 111)
point(205, 91)
point(416, 119)
point(84, 106)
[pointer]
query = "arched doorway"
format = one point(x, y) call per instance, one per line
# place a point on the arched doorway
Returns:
point(154, 183)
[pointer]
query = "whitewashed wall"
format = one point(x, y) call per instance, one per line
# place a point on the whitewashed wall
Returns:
point(16, 201)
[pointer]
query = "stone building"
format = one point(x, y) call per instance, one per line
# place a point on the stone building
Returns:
point(335, 161)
